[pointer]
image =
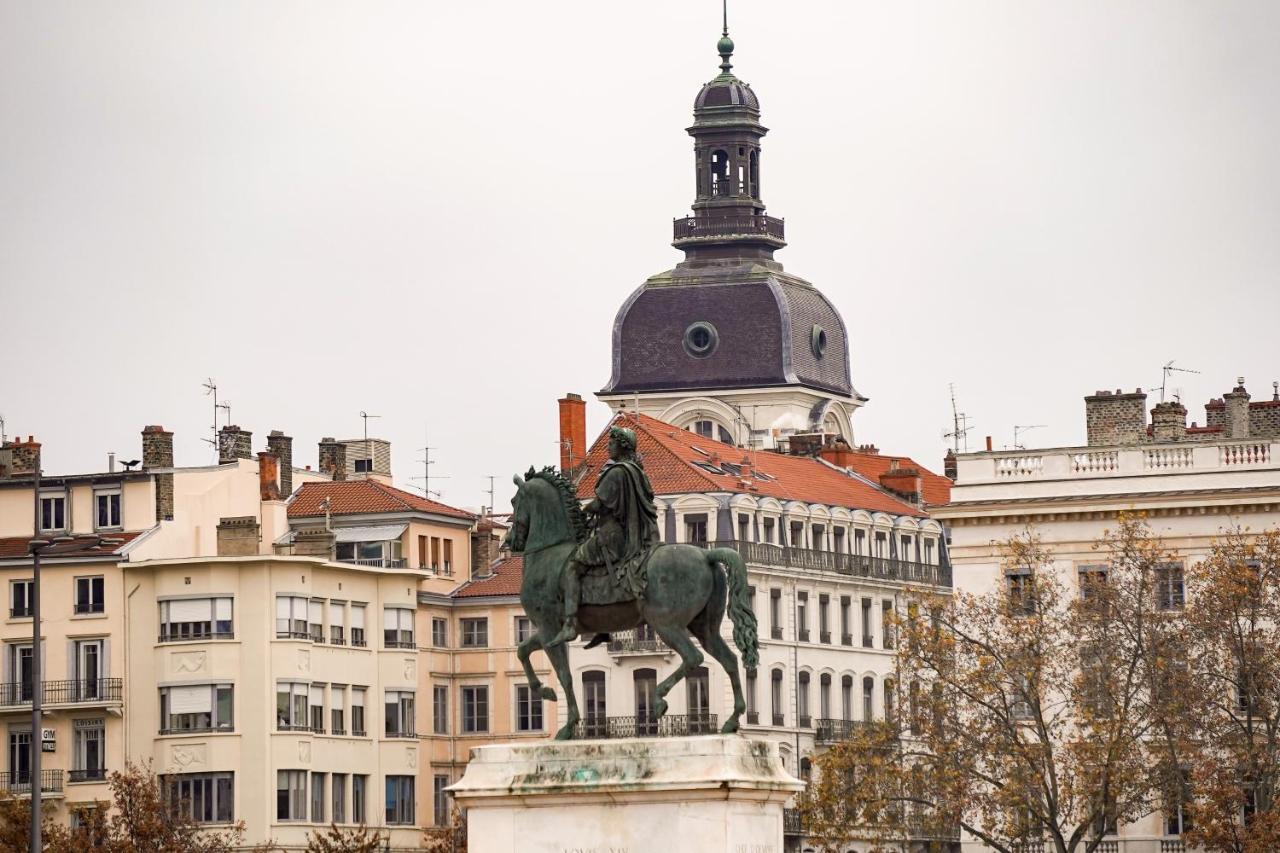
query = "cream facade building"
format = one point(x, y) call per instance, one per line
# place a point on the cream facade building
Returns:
point(1192, 483)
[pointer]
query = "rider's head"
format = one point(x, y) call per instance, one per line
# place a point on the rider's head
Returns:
point(622, 442)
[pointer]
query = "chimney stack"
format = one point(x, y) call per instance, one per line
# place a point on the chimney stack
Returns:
point(268, 476)
point(573, 434)
point(234, 443)
point(20, 458)
point(1237, 425)
point(1168, 422)
point(157, 452)
point(281, 446)
point(1115, 417)
point(905, 482)
point(333, 458)
point(949, 467)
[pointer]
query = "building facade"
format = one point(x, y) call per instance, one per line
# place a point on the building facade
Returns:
point(1192, 482)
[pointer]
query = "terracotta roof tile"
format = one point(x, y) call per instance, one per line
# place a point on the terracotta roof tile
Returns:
point(352, 497)
point(505, 579)
point(680, 462)
point(80, 545)
point(937, 488)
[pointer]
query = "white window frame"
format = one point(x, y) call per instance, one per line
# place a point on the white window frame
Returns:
point(115, 519)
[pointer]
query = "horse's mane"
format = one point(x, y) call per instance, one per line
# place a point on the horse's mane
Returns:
point(568, 495)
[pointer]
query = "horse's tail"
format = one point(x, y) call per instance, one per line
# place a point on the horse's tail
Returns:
point(739, 602)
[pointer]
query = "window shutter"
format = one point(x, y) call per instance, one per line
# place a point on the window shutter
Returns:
point(357, 698)
point(357, 616)
point(317, 695)
point(106, 658)
point(315, 613)
point(390, 620)
point(222, 609)
point(282, 607)
point(189, 610)
point(191, 700)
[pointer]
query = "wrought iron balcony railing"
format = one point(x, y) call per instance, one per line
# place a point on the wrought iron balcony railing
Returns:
point(854, 565)
point(672, 725)
point(89, 774)
point(76, 692)
point(637, 642)
point(830, 730)
point(19, 781)
point(791, 823)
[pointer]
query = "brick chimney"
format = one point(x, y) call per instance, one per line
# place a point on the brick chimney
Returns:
point(1168, 422)
point(905, 483)
point(20, 458)
point(573, 434)
point(281, 446)
point(1115, 417)
point(268, 476)
point(838, 453)
point(950, 469)
point(157, 452)
point(1237, 420)
point(333, 458)
point(234, 443)
point(313, 542)
point(238, 536)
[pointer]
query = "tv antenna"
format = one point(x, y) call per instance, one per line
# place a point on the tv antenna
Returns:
point(3, 437)
point(427, 462)
point(959, 434)
point(211, 389)
point(368, 454)
point(1166, 370)
point(491, 478)
point(1021, 428)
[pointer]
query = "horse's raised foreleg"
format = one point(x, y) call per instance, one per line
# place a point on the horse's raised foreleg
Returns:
point(523, 651)
point(559, 655)
point(677, 637)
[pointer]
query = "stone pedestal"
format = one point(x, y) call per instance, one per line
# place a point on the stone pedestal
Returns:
point(712, 794)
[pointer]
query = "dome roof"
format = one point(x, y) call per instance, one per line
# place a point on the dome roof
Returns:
point(726, 90)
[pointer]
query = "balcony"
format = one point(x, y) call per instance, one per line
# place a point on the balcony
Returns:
point(621, 728)
point(192, 636)
point(853, 565)
point(1173, 845)
point(92, 774)
point(753, 718)
point(641, 641)
point(19, 782)
point(832, 731)
point(691, 230)
point(377, 562)
point(791, 823)
point(94, 691)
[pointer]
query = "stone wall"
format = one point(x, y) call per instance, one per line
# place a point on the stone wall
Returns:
point(333, 458)
point(1114, 417)
point(281, 446)
point(234, 443)
point(157, 452)
point(238, 536)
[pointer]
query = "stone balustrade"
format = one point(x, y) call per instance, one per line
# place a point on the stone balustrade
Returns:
point(1098, 463)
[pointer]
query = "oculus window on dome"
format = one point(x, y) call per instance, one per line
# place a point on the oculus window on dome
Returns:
point(818, 341)
point(701, 339)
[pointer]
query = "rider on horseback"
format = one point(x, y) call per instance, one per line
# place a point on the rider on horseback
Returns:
point(625, 529)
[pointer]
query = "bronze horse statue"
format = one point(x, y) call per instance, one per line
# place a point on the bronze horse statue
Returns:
point(687, 593)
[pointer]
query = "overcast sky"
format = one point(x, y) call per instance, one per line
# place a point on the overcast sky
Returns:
point(431, 211)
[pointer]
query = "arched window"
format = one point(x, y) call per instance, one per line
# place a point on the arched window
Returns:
point(711, 430)
point(593, 693)
point(775, 697)
point(824, 696)
point(646, 684)
point(846, 698)
point(868, 692)
point(720, 172)
point(802, 700)
point(698, 690)
point(754, 174)
point(753, 714)
point(806, 769)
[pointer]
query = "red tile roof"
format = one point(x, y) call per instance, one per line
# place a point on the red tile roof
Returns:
point(505, 580)
point(937, 488)
point(81, 545)
point(352, 497)
point(671, 456)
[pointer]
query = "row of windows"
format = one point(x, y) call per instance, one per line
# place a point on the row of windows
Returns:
point(88, 751)
point(818, 537)
point(88, 663)
point(89, 596)
point(54, 517)
point(1168, 586)
point(825, 626)
point(475, 632)
point(301, 796)
point(301, 705)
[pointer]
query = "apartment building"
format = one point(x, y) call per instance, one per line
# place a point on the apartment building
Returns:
point(1191, 481)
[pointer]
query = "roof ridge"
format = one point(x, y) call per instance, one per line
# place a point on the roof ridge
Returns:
point(391, 492)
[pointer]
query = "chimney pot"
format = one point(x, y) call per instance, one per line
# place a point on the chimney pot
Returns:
point(282, 446)
point(573, 434)
point(157, 452)
point(268, 476)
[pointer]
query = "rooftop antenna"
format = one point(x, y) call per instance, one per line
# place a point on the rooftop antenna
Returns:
point(211, 388)
point(959, 434)
point(1020, 428)
point(3, 437)
point(426, 472)
point(1166, 370)
point(490, 476)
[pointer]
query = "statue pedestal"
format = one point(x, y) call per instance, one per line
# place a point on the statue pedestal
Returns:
point(711, 794)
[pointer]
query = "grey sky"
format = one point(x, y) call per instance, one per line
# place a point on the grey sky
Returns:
point(332, 207)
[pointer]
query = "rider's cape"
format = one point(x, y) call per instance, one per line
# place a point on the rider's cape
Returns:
point(628, 526)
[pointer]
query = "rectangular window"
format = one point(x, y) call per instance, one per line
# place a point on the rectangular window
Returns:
point(928, 551)
point(338, 709)
point(695, 529)
point(824, 618)
point(196, 619)
point(397, 628)
point(20, 598)
point(440, 709)
point(357, 625)
point(846, 621)
point(197, 708)
point(775, 614)
point(524, 629)
point(399, 713)
point(775, 697)
point(868, 640)
point(292, 698)
point(886, 623)
point(317, 798)
point(802, 616)
point(338, 797)
point(440, 800)
point(859, 542)
point(89, 743)
point(868, 699)
point(1170, 594)
point(440, 633)
point(435, 553)
point(357, 711)
point(315, 620)
point(90, 595)
point(291, 617)
point(422, 552)
point(359, 797)
point(363, 466)
point(447, 568)
point(749, 692)
point(202, 797)
point(21, 671)
point(107, 504)
point(399, 800)
point(53, 511)
point(291, 795)
point(818, 535)
point(838, 540)
point(475, 709)
point(88, 659)
point(1020, 588)
point(475, 633)
point(1091, 578)
point(316, 708)
point(337, 623)
point(768, 530)
point(528, 710)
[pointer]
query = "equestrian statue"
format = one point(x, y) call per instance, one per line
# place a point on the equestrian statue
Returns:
point(600, 568)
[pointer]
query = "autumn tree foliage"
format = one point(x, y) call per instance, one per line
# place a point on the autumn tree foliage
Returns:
point(339, 839)
point(1035, 713)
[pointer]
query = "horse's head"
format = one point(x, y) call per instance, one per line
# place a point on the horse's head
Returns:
point(519, 532)
point(545, 512)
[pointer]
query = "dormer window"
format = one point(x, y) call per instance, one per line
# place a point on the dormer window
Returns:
point(53, 511)
point(106, 509)
point(364, 466)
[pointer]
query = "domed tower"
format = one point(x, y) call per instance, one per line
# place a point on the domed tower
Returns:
point(727, 343)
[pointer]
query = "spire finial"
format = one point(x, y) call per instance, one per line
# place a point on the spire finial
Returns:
point(725, 45)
